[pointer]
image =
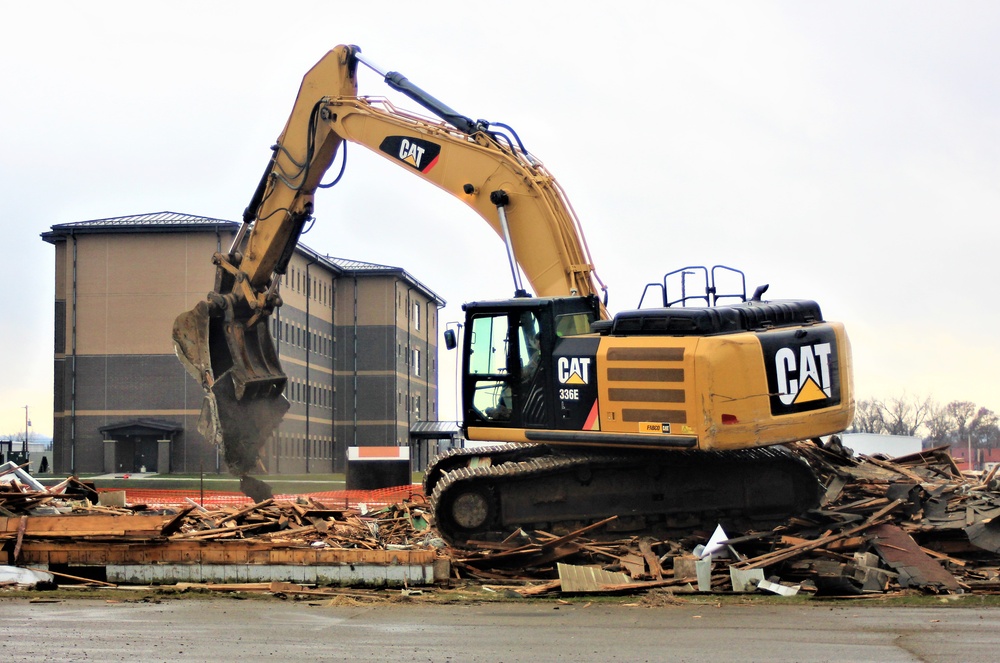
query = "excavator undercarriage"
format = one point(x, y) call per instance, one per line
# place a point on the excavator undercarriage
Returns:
point(487, 493)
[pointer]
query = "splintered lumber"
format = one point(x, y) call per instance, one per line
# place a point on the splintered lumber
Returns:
point(533, 555)
point(175, 523)
point(651, 584)
point(20, 537)
point(792, 551)
point(242, 512)
point(218, 532)
point(652, 561)
point(543, 588)
point(13, 469)
point(577, 533)
point(948, 518)
point(916, 478)
point(935, 516)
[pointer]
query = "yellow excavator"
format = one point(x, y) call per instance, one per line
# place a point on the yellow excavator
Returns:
point(664, 416)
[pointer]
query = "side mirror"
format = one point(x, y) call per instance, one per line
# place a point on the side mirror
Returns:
point(449, 339)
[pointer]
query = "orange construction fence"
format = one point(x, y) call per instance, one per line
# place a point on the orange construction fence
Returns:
point(347, 499)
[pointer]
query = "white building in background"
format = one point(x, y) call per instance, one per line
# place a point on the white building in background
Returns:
point(870, 444)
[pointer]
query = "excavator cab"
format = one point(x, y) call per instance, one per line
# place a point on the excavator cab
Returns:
point(726, 377)
point(516, 369)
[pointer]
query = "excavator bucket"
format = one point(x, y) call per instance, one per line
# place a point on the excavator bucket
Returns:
point(238, 368)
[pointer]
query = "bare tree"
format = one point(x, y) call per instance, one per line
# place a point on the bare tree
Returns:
point(868, 417)
point(983, 429)
point(940, 429)
point(899, 415)
point(963, 423)
point(905, 415)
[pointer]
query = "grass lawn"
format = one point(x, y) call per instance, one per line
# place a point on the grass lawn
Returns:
point(282, 484)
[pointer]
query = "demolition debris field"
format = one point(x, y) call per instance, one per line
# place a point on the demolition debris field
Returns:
point(905, 529)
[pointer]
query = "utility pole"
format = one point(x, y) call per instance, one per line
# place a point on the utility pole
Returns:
point(27, 423)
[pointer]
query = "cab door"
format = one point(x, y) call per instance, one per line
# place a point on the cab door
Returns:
point(504, 382)
point(487, 385)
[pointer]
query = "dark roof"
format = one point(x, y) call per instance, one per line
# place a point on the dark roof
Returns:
point(360, 267)
point(434, 429)
point(153, 222)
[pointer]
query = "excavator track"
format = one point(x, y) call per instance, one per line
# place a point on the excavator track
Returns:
point(485, 494)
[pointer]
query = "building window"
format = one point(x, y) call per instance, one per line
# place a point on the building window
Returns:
point(416, 315)
point(416, 361)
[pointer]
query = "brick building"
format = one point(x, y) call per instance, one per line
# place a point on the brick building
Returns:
point(358, 342)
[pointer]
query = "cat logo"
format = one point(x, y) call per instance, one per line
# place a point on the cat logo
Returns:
point(803, 375)
point(421, 155)
point(574, 370)
point(803, 371)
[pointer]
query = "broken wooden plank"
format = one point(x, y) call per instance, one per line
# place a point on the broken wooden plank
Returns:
point(652, 584)
point(139, 526)
point(242, 512)
point(787, 553)
point(535, 590)
point(174, 524)
point(20, 538)
point(652, 561)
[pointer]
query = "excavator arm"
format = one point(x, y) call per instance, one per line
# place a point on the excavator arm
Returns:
point(488, 170)
point(224, 341)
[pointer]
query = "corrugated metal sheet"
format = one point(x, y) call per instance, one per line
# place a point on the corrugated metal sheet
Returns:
point(588, 578)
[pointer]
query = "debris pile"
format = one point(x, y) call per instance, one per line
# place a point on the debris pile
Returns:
point(307, 522)
point(910, 523)
point(303, 521)
point(913, 523)
point(299, 539)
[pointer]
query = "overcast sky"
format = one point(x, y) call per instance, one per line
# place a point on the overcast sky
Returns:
point(847, 152)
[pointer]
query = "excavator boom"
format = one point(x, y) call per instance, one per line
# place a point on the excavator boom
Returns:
point(224, 341)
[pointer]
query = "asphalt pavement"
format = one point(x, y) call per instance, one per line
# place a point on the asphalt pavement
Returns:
point(532, 632)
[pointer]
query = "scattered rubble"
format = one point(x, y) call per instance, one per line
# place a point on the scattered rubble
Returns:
point(303, 540)
point(885, 526)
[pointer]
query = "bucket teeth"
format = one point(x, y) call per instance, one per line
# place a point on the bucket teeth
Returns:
point(238, 368)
